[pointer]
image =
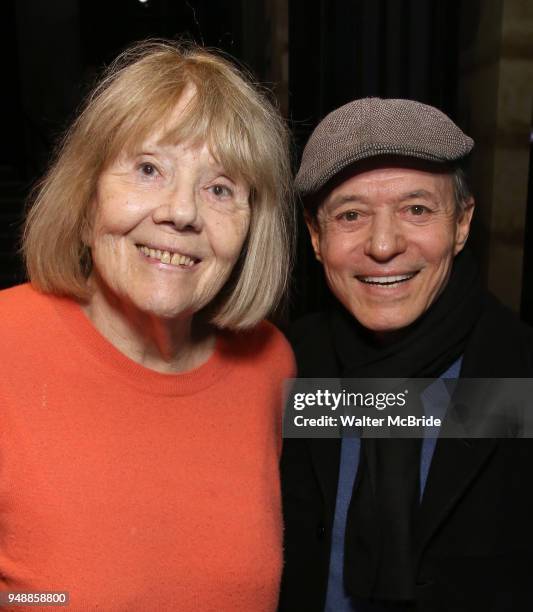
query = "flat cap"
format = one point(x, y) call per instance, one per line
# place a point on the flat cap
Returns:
point(370, 127)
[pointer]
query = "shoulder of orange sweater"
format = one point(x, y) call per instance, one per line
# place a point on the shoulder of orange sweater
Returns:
point(23, 311)
point(266, 344)
point(280, 347)
point(15, 298)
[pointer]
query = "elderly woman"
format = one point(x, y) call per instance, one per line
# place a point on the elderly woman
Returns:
point(140, 387)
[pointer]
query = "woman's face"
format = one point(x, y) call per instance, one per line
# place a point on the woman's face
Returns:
point(169, 224)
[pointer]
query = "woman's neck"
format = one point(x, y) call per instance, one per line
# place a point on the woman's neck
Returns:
point(164, 345)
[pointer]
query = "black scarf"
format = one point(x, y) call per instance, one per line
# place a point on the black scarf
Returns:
point(463, 321)
point(428, 347)
point(380, 522)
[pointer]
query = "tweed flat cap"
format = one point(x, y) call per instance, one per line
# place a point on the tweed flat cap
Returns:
point(370, 127)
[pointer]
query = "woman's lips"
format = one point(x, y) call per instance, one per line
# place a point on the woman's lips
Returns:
point(172, 258)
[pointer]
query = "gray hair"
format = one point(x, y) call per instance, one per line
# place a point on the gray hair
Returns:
point(461, 189)
point(462, 193)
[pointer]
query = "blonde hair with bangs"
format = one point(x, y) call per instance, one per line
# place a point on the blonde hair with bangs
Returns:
point(137, 95)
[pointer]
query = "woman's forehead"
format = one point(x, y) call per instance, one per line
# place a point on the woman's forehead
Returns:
point(160, 145)
point(175, 153)
point(193, 122)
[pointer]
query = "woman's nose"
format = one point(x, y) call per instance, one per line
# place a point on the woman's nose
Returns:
point(180, 209)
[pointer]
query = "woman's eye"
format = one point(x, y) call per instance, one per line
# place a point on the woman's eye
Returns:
point(221, 191)
point(148, 169)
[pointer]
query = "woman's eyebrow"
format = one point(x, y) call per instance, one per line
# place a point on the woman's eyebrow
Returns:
point(151, 149)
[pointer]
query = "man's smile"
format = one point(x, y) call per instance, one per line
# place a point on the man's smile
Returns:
point(388, 280)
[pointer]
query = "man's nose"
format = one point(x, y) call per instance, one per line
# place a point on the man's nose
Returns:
point(180, 208)
point(386, 238)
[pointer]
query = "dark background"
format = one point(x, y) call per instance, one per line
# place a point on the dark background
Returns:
point(336, 51)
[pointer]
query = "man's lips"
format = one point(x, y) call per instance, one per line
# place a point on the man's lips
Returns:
point(386, 280)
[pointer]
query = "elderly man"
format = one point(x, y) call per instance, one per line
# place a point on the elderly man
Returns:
point(432, 525)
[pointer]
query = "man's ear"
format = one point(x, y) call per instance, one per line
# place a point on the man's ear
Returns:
point(314, 231)
point(462, 228)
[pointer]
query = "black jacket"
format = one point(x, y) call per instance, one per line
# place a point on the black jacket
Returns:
point(474, 537)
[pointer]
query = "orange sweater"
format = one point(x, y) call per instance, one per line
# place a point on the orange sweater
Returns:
point(135, 490)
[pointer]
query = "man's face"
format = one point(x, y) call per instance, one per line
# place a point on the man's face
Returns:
point(387, 237)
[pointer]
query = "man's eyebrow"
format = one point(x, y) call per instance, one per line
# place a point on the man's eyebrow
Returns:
point(345, 198)
point(418, 194)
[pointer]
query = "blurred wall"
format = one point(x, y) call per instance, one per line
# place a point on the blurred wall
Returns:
point(496, 101)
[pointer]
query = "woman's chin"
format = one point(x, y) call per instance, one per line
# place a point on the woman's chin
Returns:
point(166, 310)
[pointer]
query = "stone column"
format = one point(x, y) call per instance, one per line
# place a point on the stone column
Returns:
point(496, 102)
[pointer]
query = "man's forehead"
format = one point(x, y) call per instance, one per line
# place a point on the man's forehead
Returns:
point(405, 177)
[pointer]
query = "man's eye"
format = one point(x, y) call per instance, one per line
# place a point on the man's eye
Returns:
point(350, 215)
point(418, 210)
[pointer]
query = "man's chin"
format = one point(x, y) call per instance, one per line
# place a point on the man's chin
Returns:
point(386, 323)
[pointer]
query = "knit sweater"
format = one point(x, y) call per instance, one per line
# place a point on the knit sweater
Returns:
point(131, 489)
